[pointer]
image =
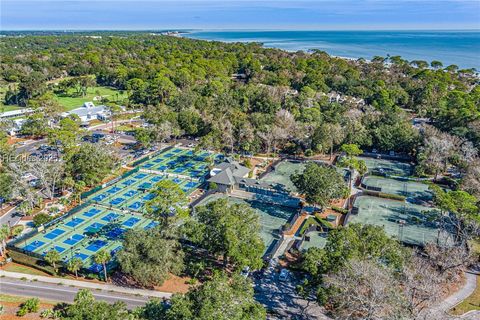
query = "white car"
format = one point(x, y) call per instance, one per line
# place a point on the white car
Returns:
point(245, 272)
point(284, 275)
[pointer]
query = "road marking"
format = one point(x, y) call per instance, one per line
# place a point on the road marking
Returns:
point(69, 291)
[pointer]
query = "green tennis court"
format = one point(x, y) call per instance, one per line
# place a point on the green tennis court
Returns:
point(282, 172)
point(388, 167)
point(86, 232)
point(272, 218)
point(183, 162)
point(315, 239)
point(415, 192)
point(410, 223)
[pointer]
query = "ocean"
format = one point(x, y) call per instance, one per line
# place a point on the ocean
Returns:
point(450, 47)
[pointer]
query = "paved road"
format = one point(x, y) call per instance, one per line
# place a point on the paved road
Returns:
point(62, 293)
point(282, 297)
point(11, 218)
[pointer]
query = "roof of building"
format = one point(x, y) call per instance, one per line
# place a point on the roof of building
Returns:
point(236, 168)
point(84, 111)
point(224, 177)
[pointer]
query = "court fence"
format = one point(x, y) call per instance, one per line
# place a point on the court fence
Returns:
point(88, 193)
point(151, 156)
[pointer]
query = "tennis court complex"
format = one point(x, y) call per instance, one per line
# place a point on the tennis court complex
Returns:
point(86, 232)
point(184, 162)
point(388, 167)
point(282, 172)
point(131, 193)
point(415, 192)
point(272, 218)
point(410, 223)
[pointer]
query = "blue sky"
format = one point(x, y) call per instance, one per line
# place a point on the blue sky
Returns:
point(245, 14)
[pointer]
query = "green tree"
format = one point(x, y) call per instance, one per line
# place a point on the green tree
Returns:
point(150, 255)
point(320, 184)
point(41, 218)
point(90, 163)
point(169, 203)
point(220, 298)
point(4, 234)
point(74, 265)
point(103, 257)
point(85, 307)
point(144, 137)
point(230, 230)
point(52, 257)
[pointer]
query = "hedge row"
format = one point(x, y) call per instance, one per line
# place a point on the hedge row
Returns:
point(384, 195)
point(339, 210)
point(29, 261)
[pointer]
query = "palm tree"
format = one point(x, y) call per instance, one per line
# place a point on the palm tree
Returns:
point(74, 265)
point(52, 257)
point(103, 257)
point(4, 234)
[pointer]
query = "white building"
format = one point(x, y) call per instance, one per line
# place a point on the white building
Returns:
point(89, 112)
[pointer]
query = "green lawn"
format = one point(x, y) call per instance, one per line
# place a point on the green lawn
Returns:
point(469, 304)
point(71, 102)
point(15, 267)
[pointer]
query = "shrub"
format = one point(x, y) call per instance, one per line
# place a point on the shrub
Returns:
point(391, 196)
point(30, 261)
point(309, 153)
point(339, 210)
point(212, 186)
point(17, 230)
point(248, 163)
point(41, 218)
point(30, 305)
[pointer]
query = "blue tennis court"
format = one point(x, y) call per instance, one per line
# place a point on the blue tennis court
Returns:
point(140, 176)
point(128, 182)
point(54, 233)
point(96, 245)
point(130, 193)
point(74, 222)
point(131, 222)
point(179, 170)
point(59, 249)
point(90, 213)
point(114, 190)
point(156, 179)
point(149, 197)
point(168, 155)
point(116, 201)
point(100, 197)
point(145, 185)
point(111, 216)
point(151, 225)
point(80, 256)
point(191, 184)
point(73, 239)
point(96, 267)
point(136, 205)
point(148, 165)
point(115, 250)
point(115, 233)
point(177, 150)
point(158, 160)
point(177, 180)
point(34, 245)
point(94, 227)
point(162, 168)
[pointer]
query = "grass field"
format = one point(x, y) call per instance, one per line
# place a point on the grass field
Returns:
point(71, 102)
point(15, 267)
point(469, 304)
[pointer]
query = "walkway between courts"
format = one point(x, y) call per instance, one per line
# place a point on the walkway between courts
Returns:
point(85, 284)
point(297, 224)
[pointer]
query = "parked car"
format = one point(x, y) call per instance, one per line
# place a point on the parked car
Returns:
point(284, 275)
point(245, 272)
